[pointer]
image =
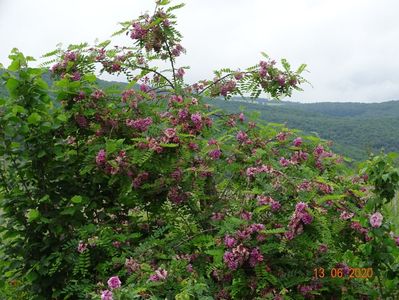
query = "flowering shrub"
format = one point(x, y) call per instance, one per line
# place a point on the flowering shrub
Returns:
point(148, 192)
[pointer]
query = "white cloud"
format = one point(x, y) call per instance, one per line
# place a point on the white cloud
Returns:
point(350, 46)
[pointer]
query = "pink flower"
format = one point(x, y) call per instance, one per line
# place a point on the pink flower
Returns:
point(284, 162)
point(101, 157)
point(217, 216)
point(106, 295)
point(180, 73)
point(307, 219)
point(346, 215)
point(246, 215)
point(97, 94)
point(170, 132)
point(397, 241)
point(376, 219)
point(76, 76)
point(229, 241)
point(138, 32)
point(215, 154)
point(160, 274)
point(114, 282)
point(190, 268)
point(255, 257)
point(301, 206)
point(175, 98)
point(196, 118)
point(241, 136)
point(282, 136)
point(82, 247)
point(139, 124)
point(241, 117)
point(81, 120)
point(297, 142)
point(323, 248)
point(132, 265)
point(228, 87)
point(275, 205)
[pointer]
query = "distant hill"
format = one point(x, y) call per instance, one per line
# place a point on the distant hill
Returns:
point(355, 128)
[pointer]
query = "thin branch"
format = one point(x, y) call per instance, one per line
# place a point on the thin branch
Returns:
point(153, 71)
point(220, 79)
point(215, 82)
point(171, 61)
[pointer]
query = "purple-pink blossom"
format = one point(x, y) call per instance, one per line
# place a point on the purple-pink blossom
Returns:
point(180, 73)
point(241, 136)
point(106, 295)
point(297, 142)
point(139, 124)
point(196, 118)
point(376, 219)
point(284, 162)
point(346, 215)
point(114, 282)
point(215, 154)
point(101, 157)
point(82, 247)
point(170, 132)
point(160, 274)
point(255, 257)
point(229, 241)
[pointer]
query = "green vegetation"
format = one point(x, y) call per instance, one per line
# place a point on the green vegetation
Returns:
point(356, 129)
point(144, 191)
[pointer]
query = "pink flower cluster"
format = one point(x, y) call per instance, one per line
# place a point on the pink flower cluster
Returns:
point(297, 142)
point(138, 31)
point(177, 50)
point(252, 171)
point(227, 87)
point(242, 136)
point(346, 215)
point(61, 68)
point(139, 124)
point(376, 220)
point(180, 73)
point(264, 66)
point(160, 275)
point(265, 200)
point(215, 154)
point(132, 265)
point(359, 228)
point(176, 195)
point(97, 95)
point(240, 254)
point(82, 247)
point(306, 289)
point(113, 283)
point(325, 188)
point(299, 217)
point(138, 181)
point(81, 121)
point(101, 157)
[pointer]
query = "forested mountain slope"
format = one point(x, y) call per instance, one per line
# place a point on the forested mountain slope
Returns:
point(355, 128)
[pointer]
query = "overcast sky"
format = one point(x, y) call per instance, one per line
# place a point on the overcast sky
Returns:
point(351, 46)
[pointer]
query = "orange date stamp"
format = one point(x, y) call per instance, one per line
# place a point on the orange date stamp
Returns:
point(350, 273)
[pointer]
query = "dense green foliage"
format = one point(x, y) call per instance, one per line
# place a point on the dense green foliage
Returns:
point(356, 129)
point(149, 193)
